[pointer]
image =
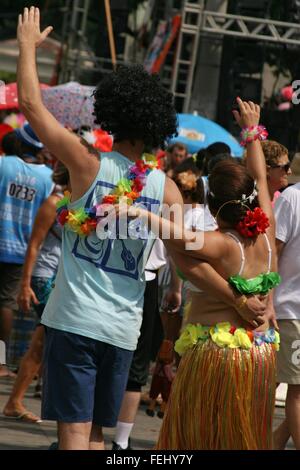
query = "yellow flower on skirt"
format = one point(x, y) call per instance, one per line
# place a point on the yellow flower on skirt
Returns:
point(224, 335)
point(277, 341)
point(220, 334)
point(241, 339)
point(190, 336)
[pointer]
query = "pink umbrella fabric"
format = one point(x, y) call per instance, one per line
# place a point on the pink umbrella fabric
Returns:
point(10, 95)
point(72, 104)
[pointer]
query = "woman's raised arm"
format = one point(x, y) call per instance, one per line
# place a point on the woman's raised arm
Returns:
point(248, 118)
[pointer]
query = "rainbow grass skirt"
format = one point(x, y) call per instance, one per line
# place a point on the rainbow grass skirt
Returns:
point(222, 397)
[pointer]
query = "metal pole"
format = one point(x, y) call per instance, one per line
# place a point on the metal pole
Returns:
point(110, 34)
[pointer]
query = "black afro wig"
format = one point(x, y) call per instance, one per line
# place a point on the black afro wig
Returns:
point(132, 105)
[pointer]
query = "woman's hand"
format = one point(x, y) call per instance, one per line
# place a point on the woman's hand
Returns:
point(253, 311)
point(172, 301)
point(25, 297)
point(248, 114)
point(28, 32)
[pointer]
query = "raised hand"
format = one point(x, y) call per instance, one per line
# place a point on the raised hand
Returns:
point(28, 32)
point(248, 114)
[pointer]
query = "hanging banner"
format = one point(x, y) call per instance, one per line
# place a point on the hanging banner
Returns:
point(166, 34)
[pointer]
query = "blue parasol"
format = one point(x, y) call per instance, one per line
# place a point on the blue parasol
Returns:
point(197, 132)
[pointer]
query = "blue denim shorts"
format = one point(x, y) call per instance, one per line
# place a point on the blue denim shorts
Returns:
point(84, 379)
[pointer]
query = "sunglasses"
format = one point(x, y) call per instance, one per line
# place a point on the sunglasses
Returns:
point(284, 167)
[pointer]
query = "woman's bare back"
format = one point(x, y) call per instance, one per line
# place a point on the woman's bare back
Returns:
point(208, 310)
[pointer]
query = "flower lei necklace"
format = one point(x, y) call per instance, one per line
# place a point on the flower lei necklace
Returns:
point(83, 221)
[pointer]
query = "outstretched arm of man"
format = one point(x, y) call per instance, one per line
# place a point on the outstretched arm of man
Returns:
point(65, 145)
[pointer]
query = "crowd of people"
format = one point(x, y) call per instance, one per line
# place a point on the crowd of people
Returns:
point(205, 283)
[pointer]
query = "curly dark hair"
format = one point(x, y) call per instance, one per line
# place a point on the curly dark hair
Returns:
point(132, 105)
point(228, 182)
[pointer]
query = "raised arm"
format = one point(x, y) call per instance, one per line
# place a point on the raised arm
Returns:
point(42, 224)
point(247, 117)
point(63, 144)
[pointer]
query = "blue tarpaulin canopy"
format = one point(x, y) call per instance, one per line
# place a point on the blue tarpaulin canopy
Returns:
point(197, 132)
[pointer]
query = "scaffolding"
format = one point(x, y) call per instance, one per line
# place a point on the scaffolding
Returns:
point(186, 53)
point(251, 28)
point(196, 22)
point(73, 37)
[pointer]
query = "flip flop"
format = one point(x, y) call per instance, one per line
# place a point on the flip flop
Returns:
point(27, 417)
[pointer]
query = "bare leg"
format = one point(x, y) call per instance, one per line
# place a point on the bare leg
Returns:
point(96, 438)
point(129, 407)
point(74, 436)
point(29, 367)
point(292, 410)
point(281, 436)
point(6, 321)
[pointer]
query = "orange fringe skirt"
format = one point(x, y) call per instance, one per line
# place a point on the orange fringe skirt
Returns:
point(221, 398)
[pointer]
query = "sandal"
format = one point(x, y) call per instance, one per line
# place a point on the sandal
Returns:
point(26, 416)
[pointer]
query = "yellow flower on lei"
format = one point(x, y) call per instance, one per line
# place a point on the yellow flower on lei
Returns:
point(151, 160)
point(75, 219)
point(123, 187)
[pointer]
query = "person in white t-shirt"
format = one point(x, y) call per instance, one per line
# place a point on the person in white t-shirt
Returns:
point(287, 307)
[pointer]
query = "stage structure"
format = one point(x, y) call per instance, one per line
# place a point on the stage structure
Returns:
point(197, 22)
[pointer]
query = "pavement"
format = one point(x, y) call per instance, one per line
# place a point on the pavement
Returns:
point(17, 435)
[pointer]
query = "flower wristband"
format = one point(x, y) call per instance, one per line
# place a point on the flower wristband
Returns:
point(252, 133)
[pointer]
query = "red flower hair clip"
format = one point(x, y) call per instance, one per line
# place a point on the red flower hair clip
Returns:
point(254, 223)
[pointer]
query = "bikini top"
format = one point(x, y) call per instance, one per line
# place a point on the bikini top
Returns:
point(260, 284)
